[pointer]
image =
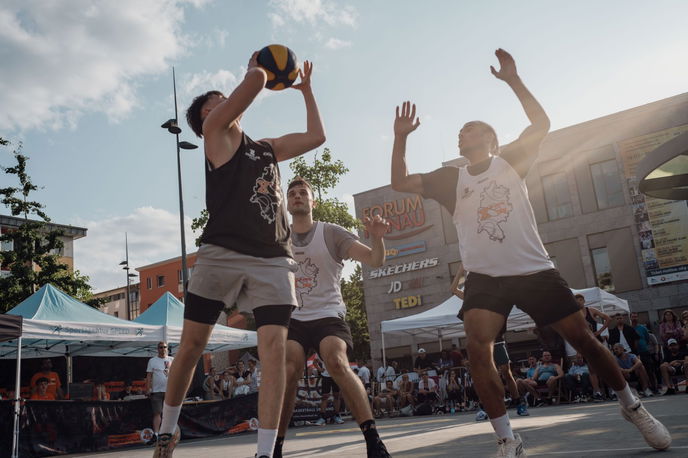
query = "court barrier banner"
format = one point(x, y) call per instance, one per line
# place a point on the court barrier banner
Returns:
point(59, 427)
point(308, 399)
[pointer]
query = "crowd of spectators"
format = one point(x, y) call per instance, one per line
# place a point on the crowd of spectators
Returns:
point(236, 380)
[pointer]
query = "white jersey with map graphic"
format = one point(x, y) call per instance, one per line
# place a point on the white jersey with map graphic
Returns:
point(317, 280)
point(495, 223)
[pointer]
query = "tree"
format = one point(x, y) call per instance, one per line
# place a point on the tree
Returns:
point(324, 175)
point(33, 259)
point(356, 315)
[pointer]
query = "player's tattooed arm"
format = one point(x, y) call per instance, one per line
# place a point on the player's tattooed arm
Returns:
point(522, 153)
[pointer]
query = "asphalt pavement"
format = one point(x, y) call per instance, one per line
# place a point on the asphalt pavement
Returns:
point(577, 430)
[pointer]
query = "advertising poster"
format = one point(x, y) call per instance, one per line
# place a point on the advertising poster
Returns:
point(662, 224)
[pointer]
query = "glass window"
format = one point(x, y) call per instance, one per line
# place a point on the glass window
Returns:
point(179, 276)
point(116, 314)
point(7, 245)
point(161, 281)
point(557, 196)
point(603, 269)
point(149, 283)
point(606, 180)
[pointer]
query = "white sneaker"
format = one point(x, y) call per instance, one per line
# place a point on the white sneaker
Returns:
point(655, 433)
point(338, 419)
point(512, 448)
point(320, 422)
point(648, 393)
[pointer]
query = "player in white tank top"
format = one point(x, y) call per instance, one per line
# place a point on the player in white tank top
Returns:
point(319, 323)
point(502, 250)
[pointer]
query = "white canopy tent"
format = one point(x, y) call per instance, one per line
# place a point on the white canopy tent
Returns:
point(441, 321)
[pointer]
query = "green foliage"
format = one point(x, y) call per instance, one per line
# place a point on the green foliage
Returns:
point(198, 224)
point(356, 316)
point(34, 258)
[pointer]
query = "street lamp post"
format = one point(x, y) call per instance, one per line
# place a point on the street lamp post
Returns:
point(172, 126)
point(125, 263)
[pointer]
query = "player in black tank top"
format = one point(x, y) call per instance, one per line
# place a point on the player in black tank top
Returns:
point(247, 218)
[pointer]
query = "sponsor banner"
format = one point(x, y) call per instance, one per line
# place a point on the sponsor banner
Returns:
point(405, 250)
point(61, 427)
point(308, 398)
point(662, 224)
point(402, 214)
point(407, 302)
point(401, 268)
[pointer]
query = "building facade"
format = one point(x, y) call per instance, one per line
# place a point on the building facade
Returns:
point(163, 276)
point(70, 233)
point(116, 302)
point(598, 229)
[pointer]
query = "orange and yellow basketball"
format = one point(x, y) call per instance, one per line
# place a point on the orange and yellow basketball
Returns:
point(280, 64)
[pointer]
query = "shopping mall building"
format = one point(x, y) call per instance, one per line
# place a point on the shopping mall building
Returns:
point(598, 229)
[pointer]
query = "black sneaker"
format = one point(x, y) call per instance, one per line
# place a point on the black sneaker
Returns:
point(597, 397)
point(377, 450)
point(669, 392)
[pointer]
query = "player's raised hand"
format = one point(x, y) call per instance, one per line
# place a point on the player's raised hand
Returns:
point(376, 226)
point(305, 75)
point(406, 120)
point(507, 66)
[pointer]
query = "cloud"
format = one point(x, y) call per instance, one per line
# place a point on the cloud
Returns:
point(312, 12)
point(63, 59)
point(198, 83)
point(153, 236)
point(336, 43)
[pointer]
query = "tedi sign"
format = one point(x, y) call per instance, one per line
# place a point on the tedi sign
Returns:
point(401, 214)
point(401, 268)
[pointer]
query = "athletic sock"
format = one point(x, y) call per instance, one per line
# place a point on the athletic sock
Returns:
point(277, 452)
point(266, 441)
point(369, 431)
point(170, 416)
point(502, 427)
point(626, 398)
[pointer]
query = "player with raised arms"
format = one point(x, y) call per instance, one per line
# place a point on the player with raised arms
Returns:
point(245, 256)
point(506, 260)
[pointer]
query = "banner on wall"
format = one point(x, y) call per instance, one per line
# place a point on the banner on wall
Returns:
point(662, 224)
point(59, 427)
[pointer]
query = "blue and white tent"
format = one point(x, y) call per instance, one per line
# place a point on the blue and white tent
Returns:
point(168, 312)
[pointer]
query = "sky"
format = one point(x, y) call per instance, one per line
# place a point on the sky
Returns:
point(85, 85)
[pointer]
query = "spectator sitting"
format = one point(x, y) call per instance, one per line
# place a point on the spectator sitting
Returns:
point(643, 347)
point(529, 384)
point(100, 391)
point(684, 327)
point(631, 367)
point(427, 389)
point(578, 376)
point(243, 379)
point(405, 391)
point(670, 328)
point(54, 384)
point(227, 385)
point(127, 391)
point(388, 396)
point(454, 392)
point(675, 362)
point(624, 334)
point(422, 361)
point(548, 373)
point(456, 356)
point(255, 375)
point(42, 393)
point(210, 388)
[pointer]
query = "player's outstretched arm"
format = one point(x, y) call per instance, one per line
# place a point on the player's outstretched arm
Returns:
point(373, 256)
point(224, 115)
point(522, 153)
point(404, 123)
point(292, 145)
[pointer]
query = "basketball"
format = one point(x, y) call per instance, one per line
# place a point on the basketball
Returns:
point(280, 63)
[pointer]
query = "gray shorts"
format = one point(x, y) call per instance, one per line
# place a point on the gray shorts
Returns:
point(249, 281)
point(156, 401)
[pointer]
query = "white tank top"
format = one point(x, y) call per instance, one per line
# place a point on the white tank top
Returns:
point(495, 223)
point(317, 280)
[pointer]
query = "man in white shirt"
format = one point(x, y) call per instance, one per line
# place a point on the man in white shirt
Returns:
point(427, 389)
point(156, 382)
point(364, 373)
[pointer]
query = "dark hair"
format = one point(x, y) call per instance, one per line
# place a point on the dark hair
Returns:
point(490, 130)
point(193, 113)
point(42, 380)
point(673, 316)
point(579, 295)
point(299, 181)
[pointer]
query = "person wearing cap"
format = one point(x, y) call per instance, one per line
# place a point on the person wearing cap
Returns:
point(422, 361)
point(675, 363)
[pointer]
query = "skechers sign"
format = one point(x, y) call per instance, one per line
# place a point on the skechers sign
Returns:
point(405, 250)
point(401, 268)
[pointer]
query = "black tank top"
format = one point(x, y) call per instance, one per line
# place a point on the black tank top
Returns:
point(246, 204)
point(592, 323)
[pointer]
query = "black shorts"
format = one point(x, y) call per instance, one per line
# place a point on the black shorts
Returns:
point(500, 355)
point(545, 296)
point(327, 385)
point(309, 333)
point(203, 310)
